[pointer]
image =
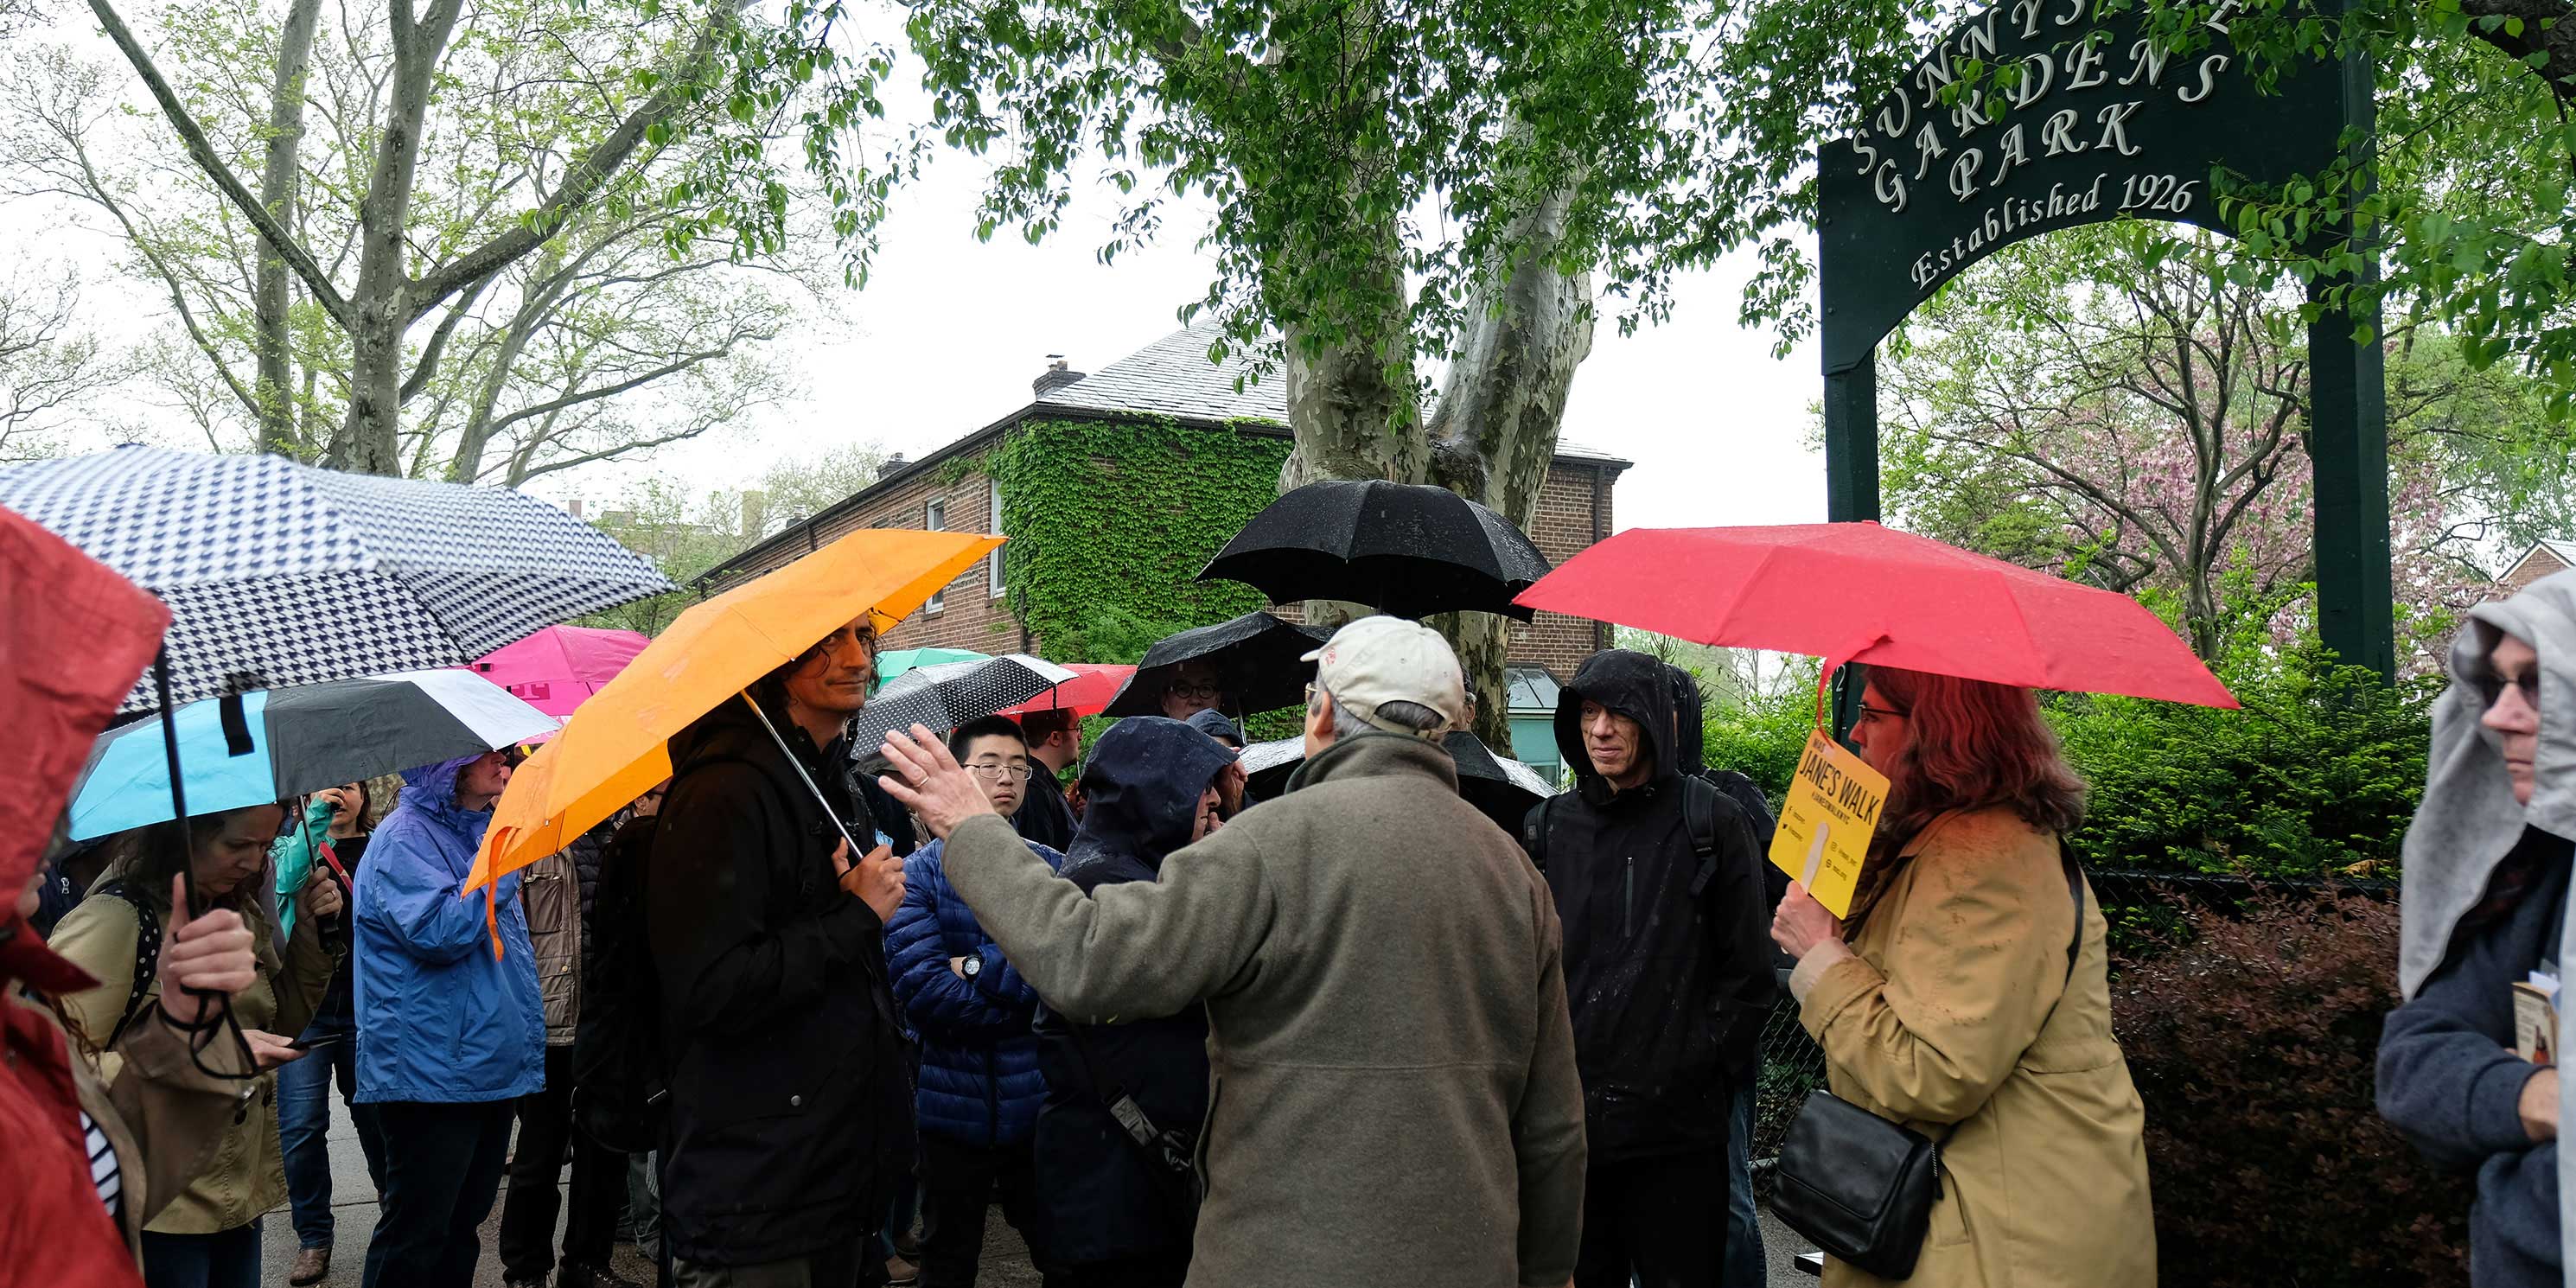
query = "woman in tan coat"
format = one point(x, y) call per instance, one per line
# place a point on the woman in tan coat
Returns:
point(208, 1237)
point(1948, 1000)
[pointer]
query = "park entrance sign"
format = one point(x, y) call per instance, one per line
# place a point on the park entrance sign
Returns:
point(2039, 115)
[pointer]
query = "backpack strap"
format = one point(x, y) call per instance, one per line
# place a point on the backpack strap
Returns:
point(1534, 827)
point(1702, 806)
point(147, 955)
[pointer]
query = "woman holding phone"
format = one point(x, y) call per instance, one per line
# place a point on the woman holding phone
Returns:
point(208, 1237)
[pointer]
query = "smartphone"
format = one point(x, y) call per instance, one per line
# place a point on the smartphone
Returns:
point(317, 1043)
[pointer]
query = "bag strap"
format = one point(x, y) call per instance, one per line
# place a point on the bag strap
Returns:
point(147, 955)
point(1161, 1149)
point(2074, 945)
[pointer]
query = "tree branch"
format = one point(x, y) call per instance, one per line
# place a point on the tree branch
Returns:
point(582, 181)
point(203, 151)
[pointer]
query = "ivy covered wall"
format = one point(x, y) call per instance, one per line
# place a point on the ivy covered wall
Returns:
point(1111, 521)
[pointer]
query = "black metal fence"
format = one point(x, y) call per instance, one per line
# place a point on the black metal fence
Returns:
point(2140, 906)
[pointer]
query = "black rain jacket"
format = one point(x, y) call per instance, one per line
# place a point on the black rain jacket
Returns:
point(790, 1115)
point(1668, 991)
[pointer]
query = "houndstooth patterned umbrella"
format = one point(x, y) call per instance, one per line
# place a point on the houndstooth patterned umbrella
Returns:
point(281, 574)
point(944, 695)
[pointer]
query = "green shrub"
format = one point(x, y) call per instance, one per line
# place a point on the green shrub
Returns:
point(2317, 773)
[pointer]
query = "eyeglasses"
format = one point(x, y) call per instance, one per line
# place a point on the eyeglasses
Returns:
point(995, 772)
point(2491, 687)
point(1870, 715)
point(1203, 691)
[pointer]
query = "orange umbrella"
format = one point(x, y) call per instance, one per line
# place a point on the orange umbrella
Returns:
point(614, 748)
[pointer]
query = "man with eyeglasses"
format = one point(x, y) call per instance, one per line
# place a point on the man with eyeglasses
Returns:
point(1195, 687)
point(1658, 882)
point(980, 1087)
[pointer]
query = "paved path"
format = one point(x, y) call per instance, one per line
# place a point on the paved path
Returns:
point(1006, 1261)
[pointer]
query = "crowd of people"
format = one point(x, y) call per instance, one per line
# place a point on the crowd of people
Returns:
point(779, 1015)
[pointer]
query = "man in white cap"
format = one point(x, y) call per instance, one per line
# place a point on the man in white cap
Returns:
point(1393, 1091)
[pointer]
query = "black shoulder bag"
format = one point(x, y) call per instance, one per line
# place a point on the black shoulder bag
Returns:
point(1863, 1187)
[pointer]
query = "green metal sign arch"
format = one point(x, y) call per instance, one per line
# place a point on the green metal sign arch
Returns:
point(2040, 115)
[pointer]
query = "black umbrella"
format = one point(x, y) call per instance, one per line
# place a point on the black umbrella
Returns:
point(1502, 788)
point(1410, 550)
point(1257, 658)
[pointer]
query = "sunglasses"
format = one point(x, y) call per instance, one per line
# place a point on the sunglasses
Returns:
point(2491, 687)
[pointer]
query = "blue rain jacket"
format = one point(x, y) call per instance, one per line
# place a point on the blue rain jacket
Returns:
point(438, 1019)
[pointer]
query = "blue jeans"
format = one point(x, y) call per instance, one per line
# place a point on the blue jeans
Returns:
point(303, 1131)
point(225, 1259)
point(1746, 1264)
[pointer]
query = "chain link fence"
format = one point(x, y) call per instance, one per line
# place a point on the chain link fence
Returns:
point(2141, 907)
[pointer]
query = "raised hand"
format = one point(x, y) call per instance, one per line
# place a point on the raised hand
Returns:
point(210, 954)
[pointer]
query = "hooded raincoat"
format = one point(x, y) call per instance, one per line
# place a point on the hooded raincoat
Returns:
point(1669, 990)
point(1106, 1201)
point(2485, 904)
point(439, 1020)
point(1391, 1093)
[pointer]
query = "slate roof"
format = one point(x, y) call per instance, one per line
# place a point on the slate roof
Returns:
point(1173, 377)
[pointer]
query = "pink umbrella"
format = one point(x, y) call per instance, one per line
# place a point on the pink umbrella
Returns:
point(556, 668)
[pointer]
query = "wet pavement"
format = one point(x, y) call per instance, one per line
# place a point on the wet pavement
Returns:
point(353, 1207)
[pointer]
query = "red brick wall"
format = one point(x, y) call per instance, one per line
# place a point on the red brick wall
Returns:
point(2541, 564)
point(970, 617)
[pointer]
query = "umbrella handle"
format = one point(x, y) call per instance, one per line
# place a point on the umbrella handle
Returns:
point(220, 1003)
point(799, 766)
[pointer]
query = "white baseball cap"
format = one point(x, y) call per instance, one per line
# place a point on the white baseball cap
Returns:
point(1388, 659)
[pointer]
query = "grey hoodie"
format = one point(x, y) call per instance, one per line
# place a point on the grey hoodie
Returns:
point(2469, 820)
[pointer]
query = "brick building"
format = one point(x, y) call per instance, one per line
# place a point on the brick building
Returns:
point(2545, 557)
point(1170, 381)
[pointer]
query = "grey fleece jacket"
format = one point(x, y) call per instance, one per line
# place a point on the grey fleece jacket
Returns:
point(1392, 1090)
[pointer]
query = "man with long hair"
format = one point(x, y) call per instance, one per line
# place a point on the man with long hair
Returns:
point(790, 1114)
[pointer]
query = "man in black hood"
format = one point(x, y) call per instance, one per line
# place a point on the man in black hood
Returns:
point(1120, 1213)
point(1667, 970)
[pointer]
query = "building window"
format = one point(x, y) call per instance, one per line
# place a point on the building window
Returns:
point(993, 561)
point(934, 516)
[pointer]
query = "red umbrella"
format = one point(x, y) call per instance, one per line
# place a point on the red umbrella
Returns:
point(1085, 695)
point(1857, 592)
point(73, 637)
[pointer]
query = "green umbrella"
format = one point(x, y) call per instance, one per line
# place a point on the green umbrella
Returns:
point(890, 665)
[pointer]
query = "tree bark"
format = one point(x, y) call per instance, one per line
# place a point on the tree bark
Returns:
point(1494, 434)
point(277, 183)
point(382, 304)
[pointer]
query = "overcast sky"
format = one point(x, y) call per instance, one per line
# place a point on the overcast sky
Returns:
point(950, 331)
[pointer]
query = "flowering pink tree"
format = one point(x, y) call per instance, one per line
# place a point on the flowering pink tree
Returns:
point(2102, 404)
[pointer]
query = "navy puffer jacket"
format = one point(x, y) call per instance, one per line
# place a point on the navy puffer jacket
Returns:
point(980, 1083)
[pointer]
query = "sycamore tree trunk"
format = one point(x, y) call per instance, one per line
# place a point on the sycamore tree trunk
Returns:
point(1494, 433)
point(277, 182)
point(1490, 438)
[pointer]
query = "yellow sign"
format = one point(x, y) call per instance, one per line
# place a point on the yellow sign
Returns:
point(1826, 823)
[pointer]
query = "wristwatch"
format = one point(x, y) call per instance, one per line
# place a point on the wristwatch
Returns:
point(973, 967)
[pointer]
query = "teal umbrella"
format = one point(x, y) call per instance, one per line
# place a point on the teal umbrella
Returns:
point(890, 665)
